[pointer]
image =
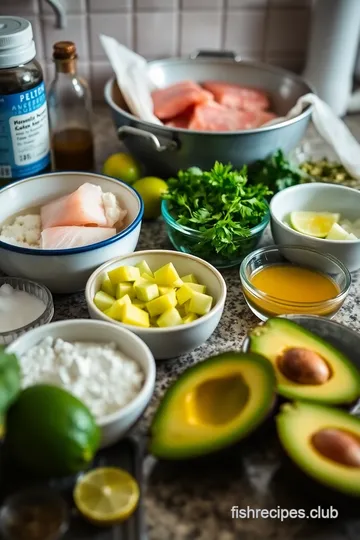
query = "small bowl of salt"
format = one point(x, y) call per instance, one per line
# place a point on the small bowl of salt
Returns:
point(24, 305)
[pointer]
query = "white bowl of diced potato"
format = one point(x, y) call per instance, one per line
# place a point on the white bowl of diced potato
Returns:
point(172, 300)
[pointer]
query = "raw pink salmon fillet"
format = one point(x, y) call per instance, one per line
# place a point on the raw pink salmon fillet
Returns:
point(82, 207)
point(175, 99)
point(71, 237)
point(236, 96)
point(215, 117)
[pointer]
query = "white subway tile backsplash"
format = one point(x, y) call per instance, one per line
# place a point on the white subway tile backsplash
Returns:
point(100, 6)
point(20, 8)
point(202, 4)
point(287, 30)
point(100, 74)
point(290, 63)
point(70, 6)
point(274, 31)
point(290, 3)
point(117, 25)
point(156, 34)
point(162, 5)
point(244, 32)
point(76, 31)
point(238, 4)
point(200, 30)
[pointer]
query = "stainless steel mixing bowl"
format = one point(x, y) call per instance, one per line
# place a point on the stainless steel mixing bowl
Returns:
point(164, 150)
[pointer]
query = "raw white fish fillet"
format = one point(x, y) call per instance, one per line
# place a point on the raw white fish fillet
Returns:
point(71, 237)
point(85, 206)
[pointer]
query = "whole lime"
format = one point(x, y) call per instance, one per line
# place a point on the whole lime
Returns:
point(150, 189)
point(122, 166)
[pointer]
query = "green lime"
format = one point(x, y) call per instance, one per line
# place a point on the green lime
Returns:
point(150, 189)
point(122, 166)
point(317, 224)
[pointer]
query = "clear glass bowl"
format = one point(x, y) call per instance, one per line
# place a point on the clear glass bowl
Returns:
point(37, 290)
point(265, 306)
point(189, 240)
point(317, 150)
point(34, 514)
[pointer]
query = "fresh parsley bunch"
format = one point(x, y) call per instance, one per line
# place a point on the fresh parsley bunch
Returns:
point(219, 205)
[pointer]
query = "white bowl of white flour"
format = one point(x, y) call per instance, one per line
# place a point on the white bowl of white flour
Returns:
point(108, 368)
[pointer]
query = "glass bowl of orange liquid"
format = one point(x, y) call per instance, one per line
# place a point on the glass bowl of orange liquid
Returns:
point(281, 280)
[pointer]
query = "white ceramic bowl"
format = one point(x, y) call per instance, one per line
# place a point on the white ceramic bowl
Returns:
point(115, 425)
point(320, 198)
point(65, 270)
point(174, 341)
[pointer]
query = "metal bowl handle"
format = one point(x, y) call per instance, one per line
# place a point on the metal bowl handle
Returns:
point(209, 53)
point(124, 131)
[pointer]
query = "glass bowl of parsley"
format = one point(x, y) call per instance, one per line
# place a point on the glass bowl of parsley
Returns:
point(216, 215)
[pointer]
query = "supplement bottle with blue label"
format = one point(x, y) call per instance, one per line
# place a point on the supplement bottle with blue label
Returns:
point(24, 127)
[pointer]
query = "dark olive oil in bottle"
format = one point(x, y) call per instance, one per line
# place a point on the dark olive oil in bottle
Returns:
point(70, 113)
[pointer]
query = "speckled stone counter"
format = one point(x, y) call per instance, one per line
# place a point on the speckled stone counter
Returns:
point(193, 501)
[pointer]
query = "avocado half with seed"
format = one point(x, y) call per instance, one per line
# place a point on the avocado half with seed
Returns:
point(306, 366)
point(324, 443)
point(212, 405)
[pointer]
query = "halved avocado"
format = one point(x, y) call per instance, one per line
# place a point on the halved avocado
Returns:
point(310, 434)
point(316, 371)
point(212, 405)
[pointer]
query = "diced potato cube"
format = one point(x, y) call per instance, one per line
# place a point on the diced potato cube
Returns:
point(166, 275)
point(197, 287)
point(189, 278)
point(125, 288)
point(124, 273)
point(191, 317)
point(116, 310)
point(171, 317)
point(178, 283)
point(144, 268)
point(153, 322)
point(139, 303)
point(133, 315)
point(186, 307)
point(146, 291)
point(107, 286)
point(200, 303)
point(165, 290)
point(162, 303)
point(148, 277)
point(103, 301)
point(184, 294)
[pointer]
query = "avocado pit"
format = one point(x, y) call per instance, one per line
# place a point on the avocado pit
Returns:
point(303, 366)
point(338, 445)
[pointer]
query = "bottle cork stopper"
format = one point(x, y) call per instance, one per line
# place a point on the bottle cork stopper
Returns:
point(64, 50)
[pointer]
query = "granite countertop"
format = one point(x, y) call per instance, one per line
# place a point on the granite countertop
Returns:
point(193, 501)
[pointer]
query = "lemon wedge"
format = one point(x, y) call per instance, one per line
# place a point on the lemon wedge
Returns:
point(339, 233)
point(317, 224)
point(106, 495)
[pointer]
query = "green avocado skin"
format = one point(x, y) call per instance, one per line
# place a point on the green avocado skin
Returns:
point(10, 380)
point(50, 432)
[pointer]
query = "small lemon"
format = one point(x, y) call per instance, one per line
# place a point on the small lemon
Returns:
point(150, 190)
point(122, 166)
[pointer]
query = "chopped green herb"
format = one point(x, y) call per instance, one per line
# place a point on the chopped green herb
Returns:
point(219, 205)
point(276, 172)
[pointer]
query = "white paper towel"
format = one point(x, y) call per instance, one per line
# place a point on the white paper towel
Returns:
point(131, 75)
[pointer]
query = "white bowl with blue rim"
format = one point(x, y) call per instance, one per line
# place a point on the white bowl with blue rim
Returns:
point(65, 270)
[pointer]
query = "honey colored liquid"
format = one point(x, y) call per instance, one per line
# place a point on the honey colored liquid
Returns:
point(73, 149)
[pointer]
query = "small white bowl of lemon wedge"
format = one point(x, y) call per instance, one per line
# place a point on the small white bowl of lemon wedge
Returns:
point(324, 217)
